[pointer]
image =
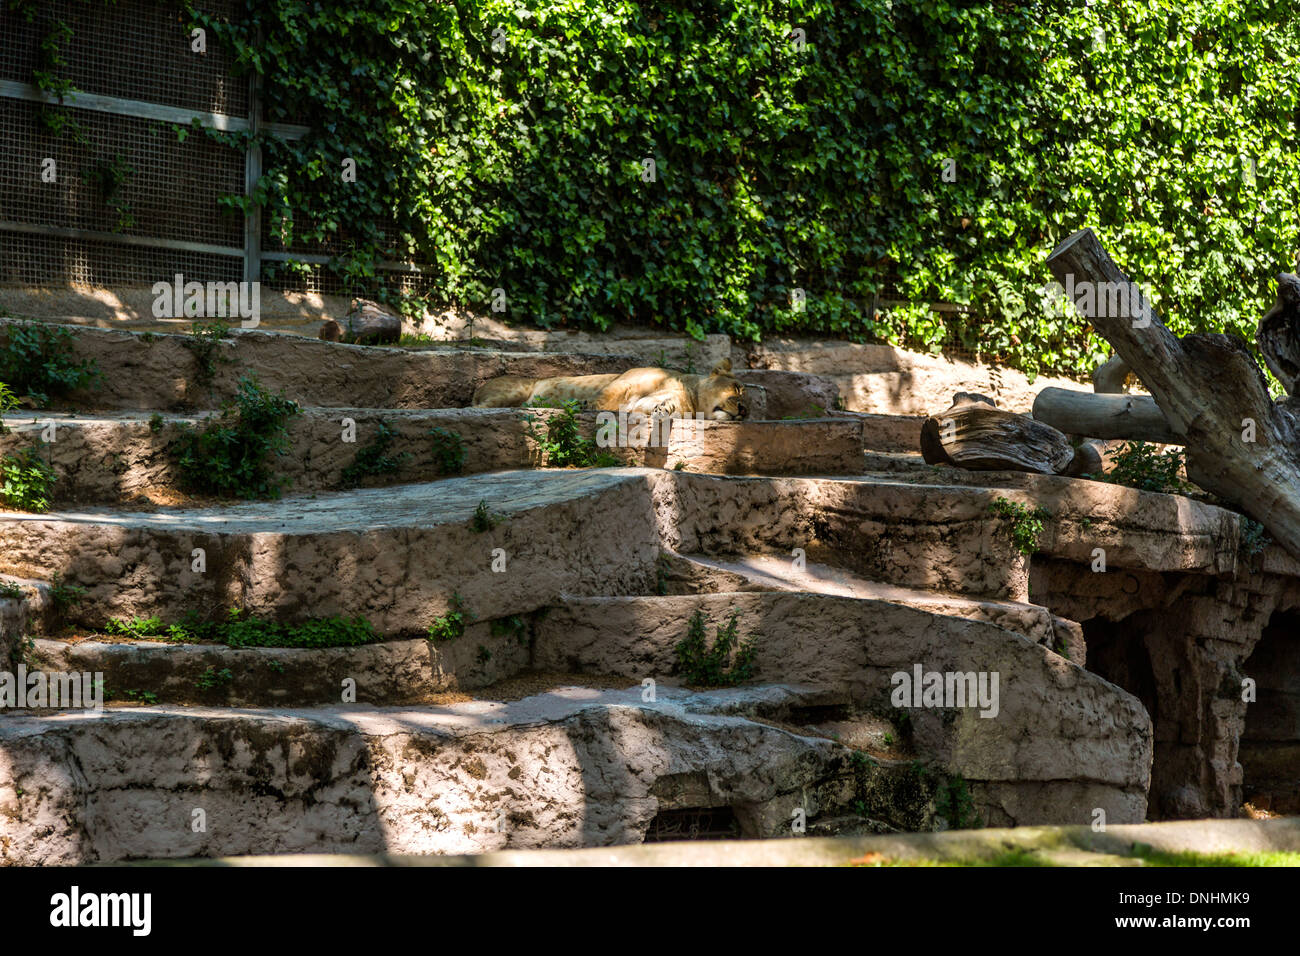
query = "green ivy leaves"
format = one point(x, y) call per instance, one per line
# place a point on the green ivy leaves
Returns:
point(782, 168)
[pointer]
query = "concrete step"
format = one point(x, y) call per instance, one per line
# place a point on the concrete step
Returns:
point(773, 573)
point(889, 433)
point(158, 371)
point(573, 767)
point(396, 556)
point(123, 456)
point(1058, 732)
point(884, 379)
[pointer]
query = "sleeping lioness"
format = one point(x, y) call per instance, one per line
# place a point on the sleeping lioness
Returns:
point(658, 392)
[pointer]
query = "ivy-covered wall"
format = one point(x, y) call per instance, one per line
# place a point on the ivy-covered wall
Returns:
point(933, 149)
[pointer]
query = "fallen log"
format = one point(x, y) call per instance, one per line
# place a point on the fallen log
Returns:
point(1241, 445)
point(975, 435)
point(367, 324)
point(1128, 417)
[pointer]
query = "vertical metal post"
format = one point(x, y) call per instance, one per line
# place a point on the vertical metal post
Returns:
point(252, 173)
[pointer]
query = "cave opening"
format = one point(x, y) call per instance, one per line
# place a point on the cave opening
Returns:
point(1269, 753)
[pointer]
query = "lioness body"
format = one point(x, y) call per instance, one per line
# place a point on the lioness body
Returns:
point(650, 391)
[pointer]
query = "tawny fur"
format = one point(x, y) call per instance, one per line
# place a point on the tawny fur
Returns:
point(650, 391)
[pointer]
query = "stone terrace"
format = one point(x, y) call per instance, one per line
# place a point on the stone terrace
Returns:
point(557, 718)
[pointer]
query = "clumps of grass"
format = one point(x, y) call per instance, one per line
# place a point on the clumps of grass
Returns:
point(728, 661)
point(451, 625)
point(228, 455)
point(10, 591)
point(237, 628)
point(1026, 523)
point(448, 451)
point(36, 361)
point(374, 458)
point(205, 343)
point(1139, 465)
point(213, 678)
point(26, 480)
point(484, 519)
point(560, 443)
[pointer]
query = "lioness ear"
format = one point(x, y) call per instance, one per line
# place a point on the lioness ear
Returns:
point(722, 368)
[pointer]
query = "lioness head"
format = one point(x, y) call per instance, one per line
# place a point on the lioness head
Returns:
point(719, 396)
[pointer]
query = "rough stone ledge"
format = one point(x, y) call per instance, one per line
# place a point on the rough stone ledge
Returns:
point(395, 555)
point(1054, 718)
point(116, 457)
point(571, 768)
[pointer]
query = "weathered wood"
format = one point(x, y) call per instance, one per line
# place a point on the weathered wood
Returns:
point(1130, 417)
point(1278, 335)
point(980, 437)
point(367, 324)
point(1109, 377)
point(1210, 391)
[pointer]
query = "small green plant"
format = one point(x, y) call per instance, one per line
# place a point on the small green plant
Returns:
point(155, 422)
point(26, 480)
point(729, 661)
point(204, 342)
point(107, 180)
point(21, 648)
point(237, 628)
point(1138, 464)
point(1253, 541)
point(8, 402)
point(452, 624)
point(137, 627)
point(1026, 525)
point(10, 591)
point(212, 677)
point(228, 455)
point(953, 802)
point(64, 597)
point(448, 451)
point(143, 696)
point(36, 361)
point(484, 655)
point(374, 459)
point(484, 519)
point(276, 666)
point(514, 626)
point(560, 443)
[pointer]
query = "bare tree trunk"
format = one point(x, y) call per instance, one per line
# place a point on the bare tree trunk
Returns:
point(1240, 444)
point(1108, 378)
point(1129, 417)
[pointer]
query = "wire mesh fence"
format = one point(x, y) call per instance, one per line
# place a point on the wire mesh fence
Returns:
point(112, 185)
